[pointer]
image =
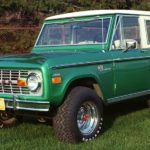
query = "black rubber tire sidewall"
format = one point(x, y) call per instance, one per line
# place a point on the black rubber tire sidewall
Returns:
point(87, 95)
point(65, 120)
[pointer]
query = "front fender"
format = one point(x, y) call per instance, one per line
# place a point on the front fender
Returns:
point(69, 75)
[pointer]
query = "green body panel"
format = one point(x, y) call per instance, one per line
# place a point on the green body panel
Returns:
point(72, 70)
point(117, 72)
point(131, 72)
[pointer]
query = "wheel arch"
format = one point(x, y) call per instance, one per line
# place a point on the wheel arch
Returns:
point(88, 81)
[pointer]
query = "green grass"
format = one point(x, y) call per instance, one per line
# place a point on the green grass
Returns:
point(126, 127)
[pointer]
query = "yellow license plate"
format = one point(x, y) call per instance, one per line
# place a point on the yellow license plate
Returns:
point(2, 104)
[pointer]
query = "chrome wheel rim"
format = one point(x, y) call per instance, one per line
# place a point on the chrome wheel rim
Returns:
point(87, 118)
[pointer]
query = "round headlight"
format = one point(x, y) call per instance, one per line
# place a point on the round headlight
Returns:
point(33, 82)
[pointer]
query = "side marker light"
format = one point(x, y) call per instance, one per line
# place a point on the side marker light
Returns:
point(56, 80)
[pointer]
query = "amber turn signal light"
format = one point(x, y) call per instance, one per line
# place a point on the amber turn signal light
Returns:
point(21, 82)
point(56, 80)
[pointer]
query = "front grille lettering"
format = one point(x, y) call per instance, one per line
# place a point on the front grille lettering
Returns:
point(5, 82)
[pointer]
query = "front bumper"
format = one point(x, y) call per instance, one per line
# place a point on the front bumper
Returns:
point(17, 104)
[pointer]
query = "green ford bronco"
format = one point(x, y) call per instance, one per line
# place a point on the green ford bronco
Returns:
point(80, 62)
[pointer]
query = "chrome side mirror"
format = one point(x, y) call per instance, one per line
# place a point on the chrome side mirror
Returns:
point(131, 44)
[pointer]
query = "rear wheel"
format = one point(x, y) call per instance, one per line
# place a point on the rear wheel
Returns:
point(80, 117)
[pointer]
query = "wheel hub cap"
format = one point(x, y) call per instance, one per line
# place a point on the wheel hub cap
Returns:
point(87, 118)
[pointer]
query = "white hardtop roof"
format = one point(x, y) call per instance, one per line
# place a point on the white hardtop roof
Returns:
point(98, 12)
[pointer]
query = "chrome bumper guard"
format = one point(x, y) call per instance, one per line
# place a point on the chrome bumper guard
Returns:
point(17, 104)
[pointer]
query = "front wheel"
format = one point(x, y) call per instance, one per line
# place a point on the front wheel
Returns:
point(80, 117)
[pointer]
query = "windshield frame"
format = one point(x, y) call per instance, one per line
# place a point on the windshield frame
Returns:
point(72, 21)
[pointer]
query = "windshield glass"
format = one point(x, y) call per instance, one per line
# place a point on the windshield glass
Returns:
point(74, 33)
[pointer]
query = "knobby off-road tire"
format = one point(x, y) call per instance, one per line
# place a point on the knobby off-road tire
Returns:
point(80, 117)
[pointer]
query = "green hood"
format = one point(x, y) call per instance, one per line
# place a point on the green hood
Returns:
point(31, 60)
point(36, 60)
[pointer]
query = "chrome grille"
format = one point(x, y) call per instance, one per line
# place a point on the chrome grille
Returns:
point(8, 81)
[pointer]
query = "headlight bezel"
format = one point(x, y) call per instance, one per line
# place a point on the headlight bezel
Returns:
point(35, 75)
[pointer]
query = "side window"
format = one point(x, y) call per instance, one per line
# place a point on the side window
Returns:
point(127, 31)
point(148, 31)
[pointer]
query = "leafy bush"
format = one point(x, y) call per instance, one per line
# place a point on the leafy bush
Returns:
point(17, 41)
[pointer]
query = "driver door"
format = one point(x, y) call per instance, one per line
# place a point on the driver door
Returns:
point(131, 66)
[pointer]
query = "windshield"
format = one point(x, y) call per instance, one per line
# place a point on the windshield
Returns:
point(74, 33)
